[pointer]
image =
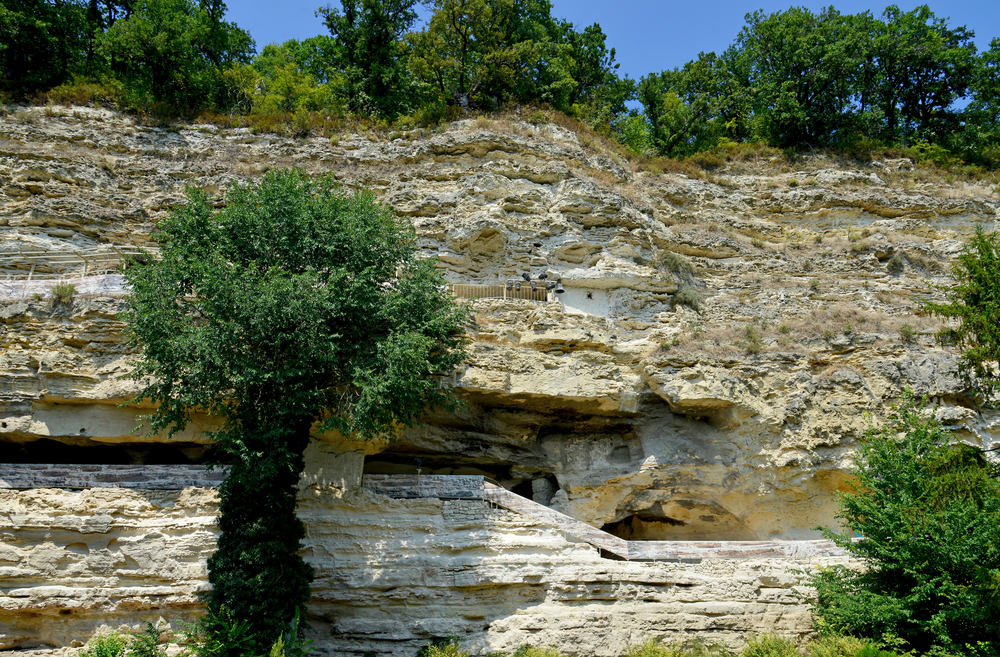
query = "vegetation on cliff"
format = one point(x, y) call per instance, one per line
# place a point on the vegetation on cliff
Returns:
point(927, 511)
point(294, 304)
point(791, 79)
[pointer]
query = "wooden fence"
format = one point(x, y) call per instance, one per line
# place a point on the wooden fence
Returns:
point(465, 291)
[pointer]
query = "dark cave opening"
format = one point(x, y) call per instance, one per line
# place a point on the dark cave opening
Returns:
point(538, 486)
point(89, 452)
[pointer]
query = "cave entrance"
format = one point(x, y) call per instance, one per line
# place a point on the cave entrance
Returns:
point(681, 520)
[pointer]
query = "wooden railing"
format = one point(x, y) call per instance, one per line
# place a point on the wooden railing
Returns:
point(468, 291)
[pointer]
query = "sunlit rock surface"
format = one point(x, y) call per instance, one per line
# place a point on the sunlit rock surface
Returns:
point(613, 402)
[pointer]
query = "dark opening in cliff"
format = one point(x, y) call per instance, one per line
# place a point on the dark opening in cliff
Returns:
point(95, 453)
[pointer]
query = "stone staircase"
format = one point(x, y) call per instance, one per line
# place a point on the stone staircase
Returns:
point(476, 487)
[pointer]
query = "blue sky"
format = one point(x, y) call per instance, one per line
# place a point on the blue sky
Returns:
point(648, 35)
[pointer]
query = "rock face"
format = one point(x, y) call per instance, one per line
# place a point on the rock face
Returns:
point(391, 575)
point(721, 343)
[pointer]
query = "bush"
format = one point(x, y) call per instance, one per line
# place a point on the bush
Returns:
point(446, 648)
point(63, 292)
point(769, 645)
point(895, 265)
point(105, 644)
point(835, 645)
point(688, 296)
point(654, 648)
point(146, 643)
point(929, 512)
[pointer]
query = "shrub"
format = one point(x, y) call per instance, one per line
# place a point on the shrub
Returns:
point(146, 643)
point(531, 651)
point(908, 333)
point(895, 265)
point(654, 648)
point(675, 263)
point(105, 643)
point(929, 512)
point(446, 648)
point(752, 342)
point(688, 296)
point(835, 645)
point(536, 117)
point(63, 292)
point(769, 645)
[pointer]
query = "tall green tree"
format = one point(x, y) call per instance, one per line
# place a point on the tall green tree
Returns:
point(174, 52)
point(42, 43)
point(798, 66)
point(480, 53)
point(928, 514)
point(692, 108)
point(295, 304)
point(368, 37)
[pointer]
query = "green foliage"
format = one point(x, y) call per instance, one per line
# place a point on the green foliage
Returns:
point(928, 513)
point(770, 645)
point(220, 634)
point(654, 648)
point(173, 53)
point(895, 265)
point(687, 295)
point(105, 644)
point(448, 648)
point(368, 49)
point(146, 643)
point(63, 292)
point(295, 303)
point(835, 645)
point(974, 301)
point(41, 43)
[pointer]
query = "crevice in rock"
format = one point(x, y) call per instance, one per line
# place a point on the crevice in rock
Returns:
point(95, 453)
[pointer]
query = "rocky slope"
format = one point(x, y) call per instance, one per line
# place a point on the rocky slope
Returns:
point(722, 342)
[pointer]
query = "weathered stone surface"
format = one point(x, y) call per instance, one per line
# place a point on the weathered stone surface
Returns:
point(391, 574)
point(628, 410)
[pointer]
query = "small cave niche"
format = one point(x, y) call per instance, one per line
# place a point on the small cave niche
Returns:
point(639, 527)
point(540, 487)
point(93, 453)
point(681, 520)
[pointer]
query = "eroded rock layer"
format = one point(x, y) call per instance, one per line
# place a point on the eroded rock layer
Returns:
point(391, 575)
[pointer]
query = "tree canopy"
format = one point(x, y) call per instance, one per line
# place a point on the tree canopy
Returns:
point(294, 304)
point(794, 79)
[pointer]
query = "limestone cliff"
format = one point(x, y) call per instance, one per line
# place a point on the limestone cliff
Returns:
point(618, 402)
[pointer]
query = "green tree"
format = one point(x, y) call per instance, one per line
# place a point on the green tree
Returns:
point(42, 43)
point(798, 66)
point(297, 76)
point(979, 138)
point(923, 67)
point(692, 108)
point(483, 53)
point(975, 302)
point(368, 38)
point(174, 52)
point(295, 304)
point(928, 514)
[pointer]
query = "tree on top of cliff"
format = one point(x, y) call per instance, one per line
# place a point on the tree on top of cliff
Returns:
point(295, 303)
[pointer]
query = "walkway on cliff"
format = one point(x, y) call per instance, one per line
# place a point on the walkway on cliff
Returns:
point(445, 487)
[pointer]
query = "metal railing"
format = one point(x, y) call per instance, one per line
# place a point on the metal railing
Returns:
point(40, 264)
